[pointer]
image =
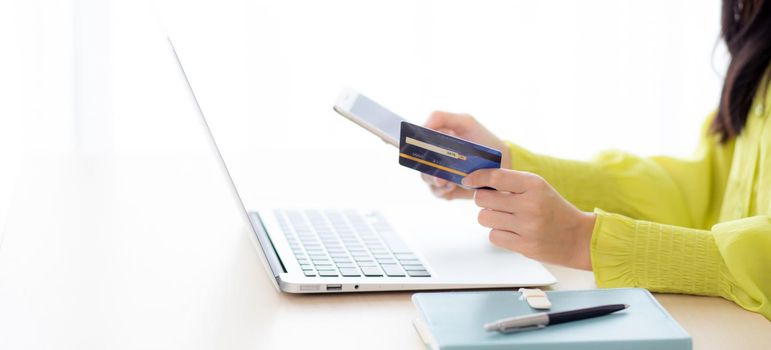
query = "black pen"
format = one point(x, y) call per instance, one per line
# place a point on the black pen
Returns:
point(543, 319)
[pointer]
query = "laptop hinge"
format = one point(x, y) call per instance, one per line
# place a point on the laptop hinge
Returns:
point(276, 266)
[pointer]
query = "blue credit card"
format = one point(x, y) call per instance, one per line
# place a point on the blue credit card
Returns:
point(442, 155)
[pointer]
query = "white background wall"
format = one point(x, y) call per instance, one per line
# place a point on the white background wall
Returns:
point(564, 77)
point(569, 78)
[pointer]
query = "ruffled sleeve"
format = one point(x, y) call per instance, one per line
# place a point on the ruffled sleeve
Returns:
point(731, 260)
point(636, 186)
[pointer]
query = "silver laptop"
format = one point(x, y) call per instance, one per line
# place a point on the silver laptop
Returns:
point(352, 250)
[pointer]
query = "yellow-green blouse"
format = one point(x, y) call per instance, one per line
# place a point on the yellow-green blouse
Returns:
point(698, 226)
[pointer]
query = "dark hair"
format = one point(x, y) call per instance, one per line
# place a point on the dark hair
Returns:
point(746, 29)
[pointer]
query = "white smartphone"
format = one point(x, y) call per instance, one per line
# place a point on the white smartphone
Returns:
point(369, 115)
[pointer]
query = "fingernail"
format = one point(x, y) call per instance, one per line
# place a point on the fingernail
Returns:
point(466, 181)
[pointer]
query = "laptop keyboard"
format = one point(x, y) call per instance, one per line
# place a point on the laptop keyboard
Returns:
point(332, 243)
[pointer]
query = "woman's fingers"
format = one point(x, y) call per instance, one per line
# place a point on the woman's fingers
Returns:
point(446, 189)
point(447, 120)
point(459, 193)
point(450, 132)
point(439, 187)
point(451, 191)
point(498, 220)
point(439, 182)
point(433, 180)
point(501, 201)
point(501, 179)
point(441, 191)
point(505, 239)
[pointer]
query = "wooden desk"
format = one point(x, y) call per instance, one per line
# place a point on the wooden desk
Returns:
point(148, 253)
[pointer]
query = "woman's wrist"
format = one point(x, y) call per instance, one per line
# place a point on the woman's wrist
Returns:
point(582, 247)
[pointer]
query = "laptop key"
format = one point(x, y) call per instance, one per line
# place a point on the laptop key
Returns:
point(393, 270)
point(410, 262)
point(309, 273)
point(414, 267)
point(419, 273)
point(371, 271)
point(349, 272)
point(405, 256)
point(328, 273)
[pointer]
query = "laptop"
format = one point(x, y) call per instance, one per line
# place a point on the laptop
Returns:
point(330, 250)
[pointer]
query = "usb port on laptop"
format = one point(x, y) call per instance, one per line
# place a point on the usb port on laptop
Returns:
point(334, 287)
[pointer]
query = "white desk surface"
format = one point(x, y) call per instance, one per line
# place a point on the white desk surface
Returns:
point(149, 253)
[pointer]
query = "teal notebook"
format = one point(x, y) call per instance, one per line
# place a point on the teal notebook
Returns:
point(454, 321)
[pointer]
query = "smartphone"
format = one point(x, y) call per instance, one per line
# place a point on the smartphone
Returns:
point(369, 115)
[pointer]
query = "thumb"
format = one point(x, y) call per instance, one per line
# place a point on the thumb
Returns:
point(500, 179)
point(450, 132)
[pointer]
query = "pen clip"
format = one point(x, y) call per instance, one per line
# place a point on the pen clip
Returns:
point(536, 298)
point(520, 329)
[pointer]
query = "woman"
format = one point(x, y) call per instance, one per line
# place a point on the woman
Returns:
point(696, 226)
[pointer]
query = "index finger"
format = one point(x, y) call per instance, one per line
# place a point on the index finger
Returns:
point(447, 120)
point(500, 179)
point(434, 181)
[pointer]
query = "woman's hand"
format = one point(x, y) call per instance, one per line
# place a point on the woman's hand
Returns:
point(528, 216)
point(465, 127)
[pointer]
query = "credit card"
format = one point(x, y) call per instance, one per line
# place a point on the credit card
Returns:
point(442, 155)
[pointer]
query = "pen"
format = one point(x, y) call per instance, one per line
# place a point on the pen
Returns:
point(543, 319)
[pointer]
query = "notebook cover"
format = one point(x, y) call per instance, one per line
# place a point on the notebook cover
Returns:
point(454, 321)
